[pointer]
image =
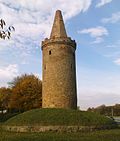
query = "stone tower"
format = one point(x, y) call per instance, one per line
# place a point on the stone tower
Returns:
point(59, 68)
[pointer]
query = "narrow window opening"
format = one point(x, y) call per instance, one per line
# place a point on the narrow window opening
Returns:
point(73, 55)
point(71, 66)
point(45, 67)
point(50, 52)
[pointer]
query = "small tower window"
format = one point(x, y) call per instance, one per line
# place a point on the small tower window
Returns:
point(50, 52)
point(71, 66)
point(45, 67)
point(73, 54)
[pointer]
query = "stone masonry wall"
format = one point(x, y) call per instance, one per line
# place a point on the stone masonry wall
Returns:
point(59, 76)
point(54, 128)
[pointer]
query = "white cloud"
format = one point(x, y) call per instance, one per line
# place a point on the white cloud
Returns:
point(35, 18)
point(98, 40)
point(113, 19)
point(103, 2)
point(8, 73)
point(33, 21)
point(117, 61)
point(95, 32)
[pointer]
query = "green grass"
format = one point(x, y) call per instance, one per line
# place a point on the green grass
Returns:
point(106, 135)
point(59, 117)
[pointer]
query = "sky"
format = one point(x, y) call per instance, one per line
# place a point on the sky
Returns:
point(94, 24)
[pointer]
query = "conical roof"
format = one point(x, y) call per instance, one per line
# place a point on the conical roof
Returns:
point(58, 29)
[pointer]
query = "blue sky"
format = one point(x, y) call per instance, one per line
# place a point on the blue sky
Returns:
point(94, 24)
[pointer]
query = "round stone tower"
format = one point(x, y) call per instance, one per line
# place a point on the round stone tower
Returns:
point(59, 68)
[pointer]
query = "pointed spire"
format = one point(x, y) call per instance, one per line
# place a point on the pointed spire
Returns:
point(58, 29)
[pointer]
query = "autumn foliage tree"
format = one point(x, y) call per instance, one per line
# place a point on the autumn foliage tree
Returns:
point(5, 94)
point(26, 93)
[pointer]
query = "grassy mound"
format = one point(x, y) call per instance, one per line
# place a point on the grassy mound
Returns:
point(59, 117)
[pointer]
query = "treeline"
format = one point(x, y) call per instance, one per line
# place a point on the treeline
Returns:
point(107, 110)
point(24, 93)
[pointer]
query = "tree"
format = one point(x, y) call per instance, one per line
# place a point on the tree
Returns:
point(26, 93)
point(5, 33)
point(5, 94)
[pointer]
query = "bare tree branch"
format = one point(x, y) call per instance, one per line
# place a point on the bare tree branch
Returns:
point(5, 33)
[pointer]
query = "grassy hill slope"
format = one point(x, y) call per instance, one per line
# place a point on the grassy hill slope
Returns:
point(59, 117)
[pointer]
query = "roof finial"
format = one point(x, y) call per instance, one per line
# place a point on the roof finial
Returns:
point(58, 29)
